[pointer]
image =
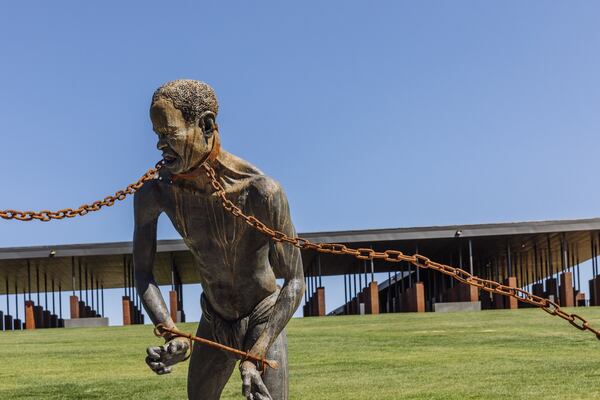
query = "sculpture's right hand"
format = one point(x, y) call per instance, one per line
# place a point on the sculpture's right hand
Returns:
point(161, 358)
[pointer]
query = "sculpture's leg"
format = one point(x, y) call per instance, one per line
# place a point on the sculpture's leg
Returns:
point(210, 368)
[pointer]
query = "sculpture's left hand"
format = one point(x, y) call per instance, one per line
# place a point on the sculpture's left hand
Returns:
point(253, 387)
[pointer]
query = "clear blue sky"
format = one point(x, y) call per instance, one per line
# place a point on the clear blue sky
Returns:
point(370, 114)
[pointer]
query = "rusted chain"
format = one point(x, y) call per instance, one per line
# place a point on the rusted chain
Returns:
point(396, 256)
point(47, 215)
point(161, 331)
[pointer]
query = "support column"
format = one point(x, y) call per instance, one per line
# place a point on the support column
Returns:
point(415, 298)
point(127, 311)
point(372, 298)
point(8, 320)
point(176, 294)
point(29, 315)
point(74, 306)
point(16, 321)
point(46, 313)
point(38, 310)
point(510, 302)
point(566, 290)
point(318, 304)
point(87, 309)
point(173, 305)
point(61, 321)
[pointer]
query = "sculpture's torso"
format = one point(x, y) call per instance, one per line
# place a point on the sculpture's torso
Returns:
point(232, 257)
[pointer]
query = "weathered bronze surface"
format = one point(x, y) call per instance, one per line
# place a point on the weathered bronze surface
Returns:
point(242, 305)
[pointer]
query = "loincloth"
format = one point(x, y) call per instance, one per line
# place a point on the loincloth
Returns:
point(233, 333)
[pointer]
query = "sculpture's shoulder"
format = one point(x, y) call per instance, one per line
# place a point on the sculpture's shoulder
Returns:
point(148, 201)
point(265, 187)
point(149, 191)
point(252, 179)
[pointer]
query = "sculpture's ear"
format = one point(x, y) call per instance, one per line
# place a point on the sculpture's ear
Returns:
point(208, 124)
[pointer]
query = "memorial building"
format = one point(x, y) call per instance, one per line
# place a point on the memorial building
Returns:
point(544, 258)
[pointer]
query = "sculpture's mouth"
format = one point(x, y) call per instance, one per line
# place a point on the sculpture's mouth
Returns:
point(169, 159)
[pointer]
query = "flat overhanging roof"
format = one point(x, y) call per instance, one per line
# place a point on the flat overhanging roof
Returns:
point(490, 243)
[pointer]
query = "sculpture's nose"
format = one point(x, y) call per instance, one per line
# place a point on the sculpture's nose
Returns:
point(162, 142)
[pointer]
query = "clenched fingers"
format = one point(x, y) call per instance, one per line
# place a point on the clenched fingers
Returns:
point(176, 347)
point(159, 367)
point(251, 379)
point(247, 386)
point(155, 353)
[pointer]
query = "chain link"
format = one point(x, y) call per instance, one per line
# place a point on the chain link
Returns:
point(47, 215)
point(396, 256)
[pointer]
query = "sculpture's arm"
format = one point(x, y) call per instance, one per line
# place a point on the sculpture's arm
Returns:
point(287, 263)
point(146, 211)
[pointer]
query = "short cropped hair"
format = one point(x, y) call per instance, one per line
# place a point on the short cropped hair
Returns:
point(191, 97)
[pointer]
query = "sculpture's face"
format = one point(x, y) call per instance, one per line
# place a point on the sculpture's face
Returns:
point(182, 144)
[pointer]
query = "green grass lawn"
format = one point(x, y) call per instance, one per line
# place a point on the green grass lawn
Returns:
point(523, 354)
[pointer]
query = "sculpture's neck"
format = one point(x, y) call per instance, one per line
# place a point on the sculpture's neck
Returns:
point(210, 158)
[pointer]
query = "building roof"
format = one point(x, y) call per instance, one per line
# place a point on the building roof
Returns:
point(490, 243)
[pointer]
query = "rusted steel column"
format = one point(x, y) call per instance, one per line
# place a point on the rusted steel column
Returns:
point(173, 305)
point(510, 302)
point(372, 298)
point(126, 311)
point(29, 315)
point(566, 290)
point(318, 305)
point(415, 298)
point(74, 306)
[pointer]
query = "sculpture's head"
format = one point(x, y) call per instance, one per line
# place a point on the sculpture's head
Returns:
point(183, 114)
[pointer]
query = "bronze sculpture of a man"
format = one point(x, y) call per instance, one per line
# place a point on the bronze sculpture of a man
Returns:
point(242, 305)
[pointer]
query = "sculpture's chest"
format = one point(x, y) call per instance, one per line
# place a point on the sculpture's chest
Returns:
point(205, 225)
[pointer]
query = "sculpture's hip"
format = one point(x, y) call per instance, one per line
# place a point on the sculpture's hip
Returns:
point(235, 333)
